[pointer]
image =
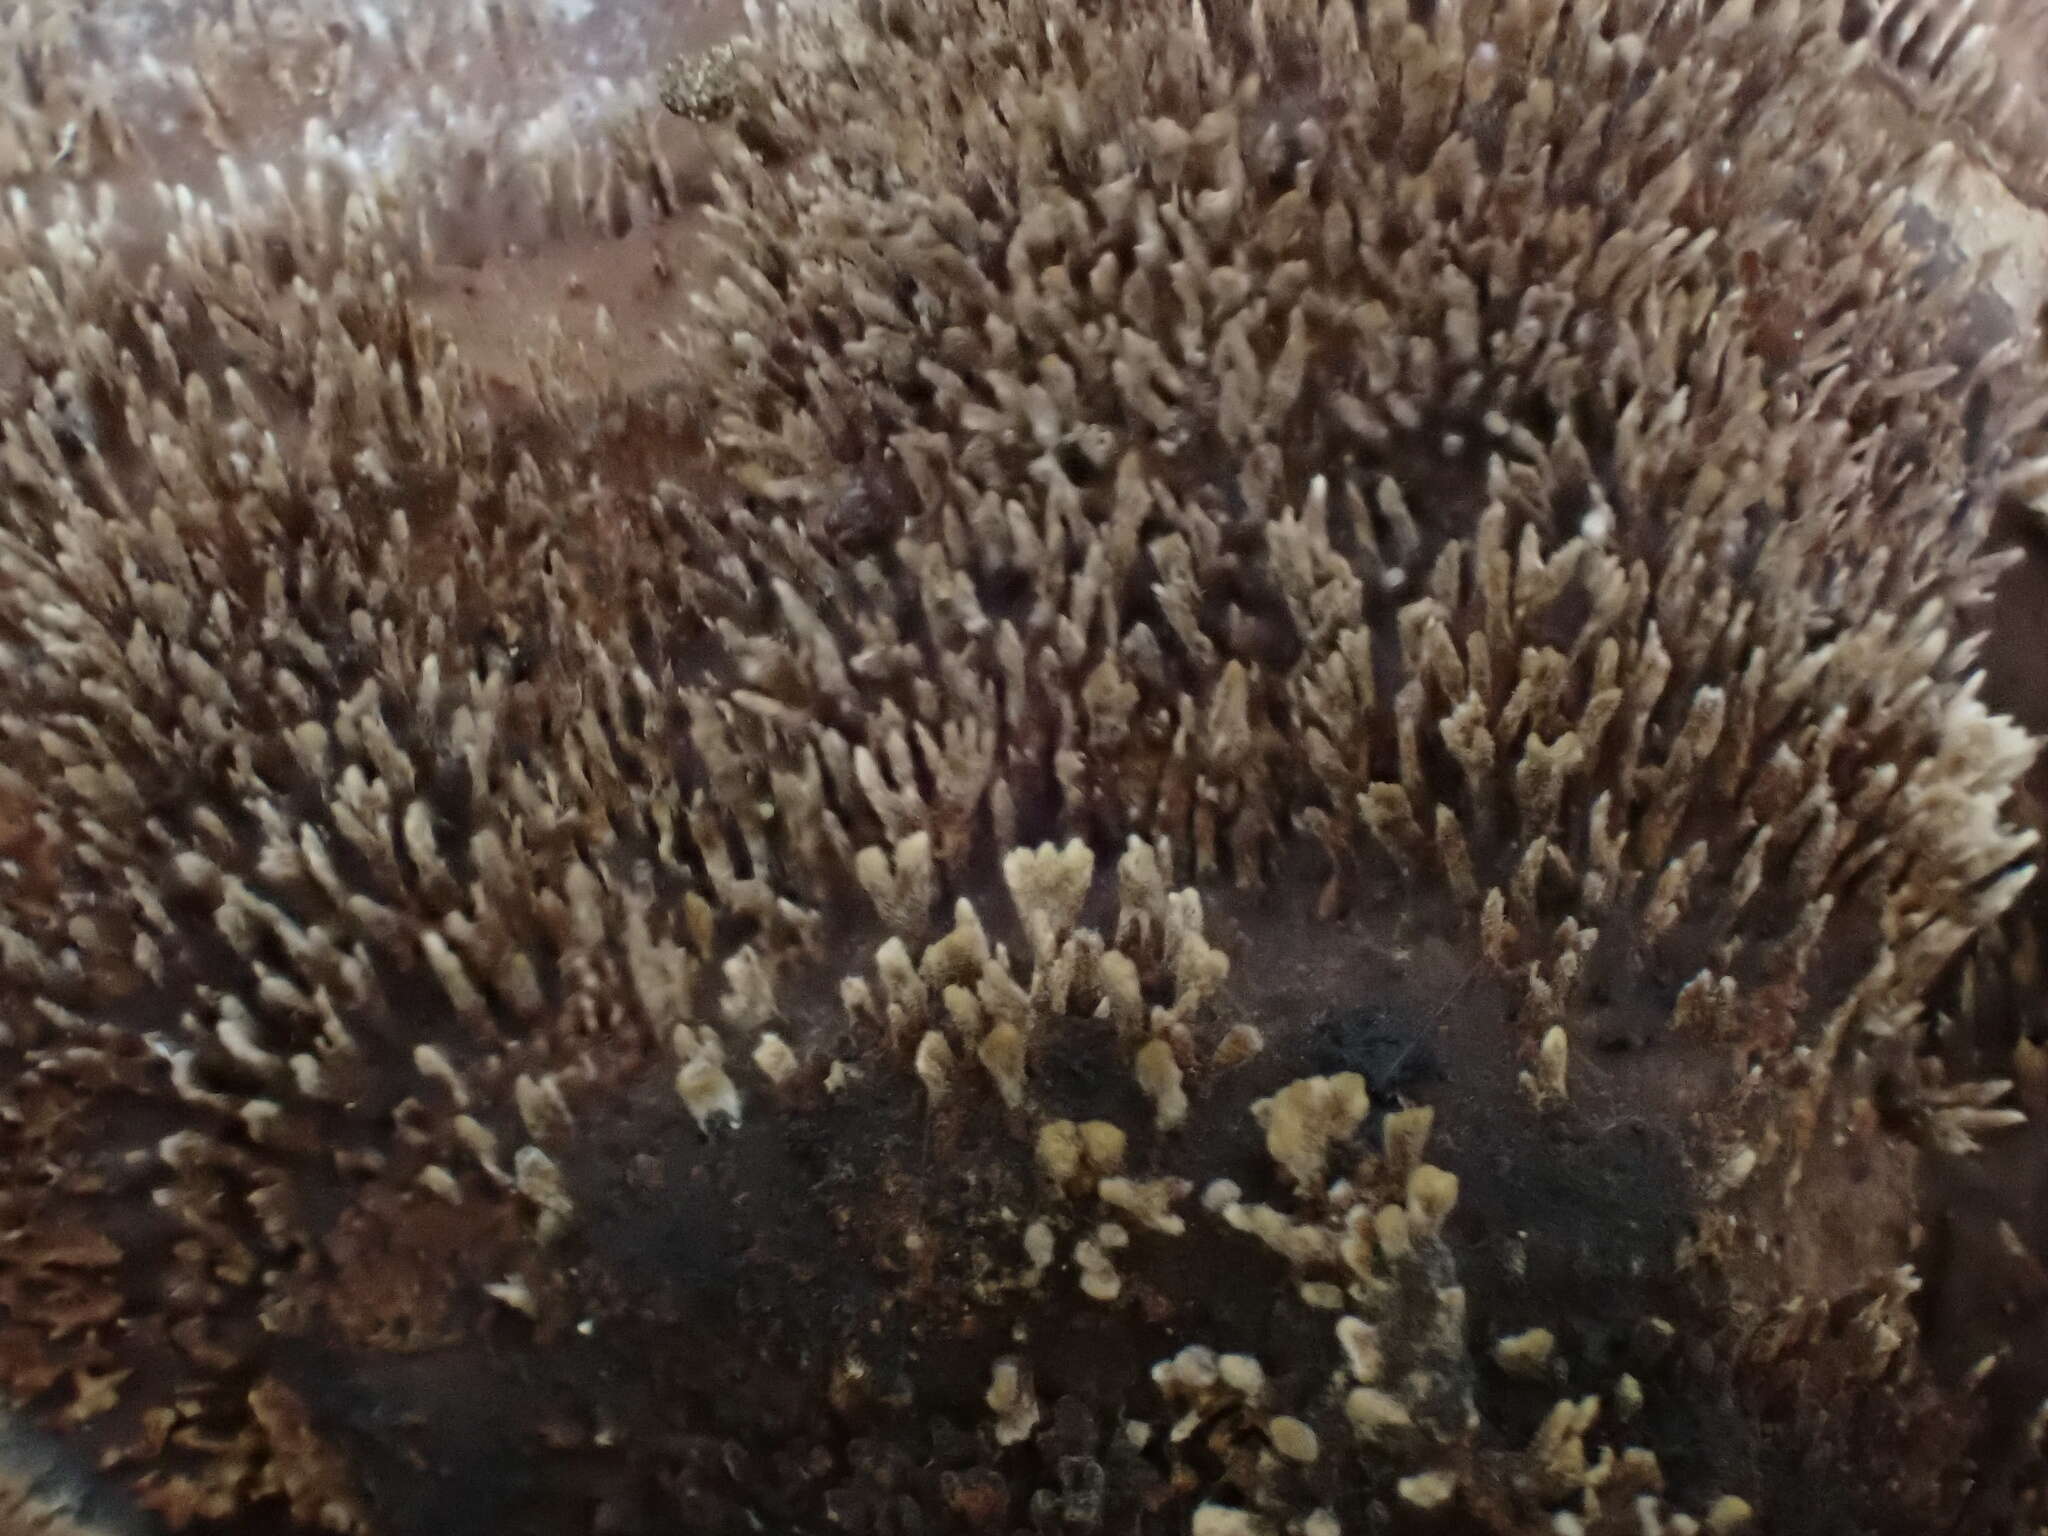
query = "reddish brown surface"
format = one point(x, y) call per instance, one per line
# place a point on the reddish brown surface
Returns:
point(491, 310)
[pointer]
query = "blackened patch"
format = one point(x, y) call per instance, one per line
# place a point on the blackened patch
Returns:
point(1079, 1072)
point(1570, 1228)
point(50, 1475)
point(1394, 1057)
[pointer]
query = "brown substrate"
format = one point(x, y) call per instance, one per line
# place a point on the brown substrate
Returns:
point(1985, 1306)
point(791, 1323)
point(1983, 1232)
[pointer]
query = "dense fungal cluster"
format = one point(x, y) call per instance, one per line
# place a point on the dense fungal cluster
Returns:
point(1235, 809)
point(1970, 68)
point(149, 151)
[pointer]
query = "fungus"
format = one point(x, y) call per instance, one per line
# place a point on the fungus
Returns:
point(1409, 575)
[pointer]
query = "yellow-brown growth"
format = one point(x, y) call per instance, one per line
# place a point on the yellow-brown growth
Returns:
point(1278, 781)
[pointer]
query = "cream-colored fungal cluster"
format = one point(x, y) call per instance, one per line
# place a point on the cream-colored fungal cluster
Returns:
point(1370, 442)
point(146, 152)
point(269, 563)
point(702, 86)
point(1402, 1367)
point(746, 924)
point(1970, 68)
point(1342, 473)
point(963, 998)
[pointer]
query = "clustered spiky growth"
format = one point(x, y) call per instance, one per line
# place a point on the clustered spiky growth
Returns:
point(166, 156)
point(1972, 69)
point(1255, 841)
